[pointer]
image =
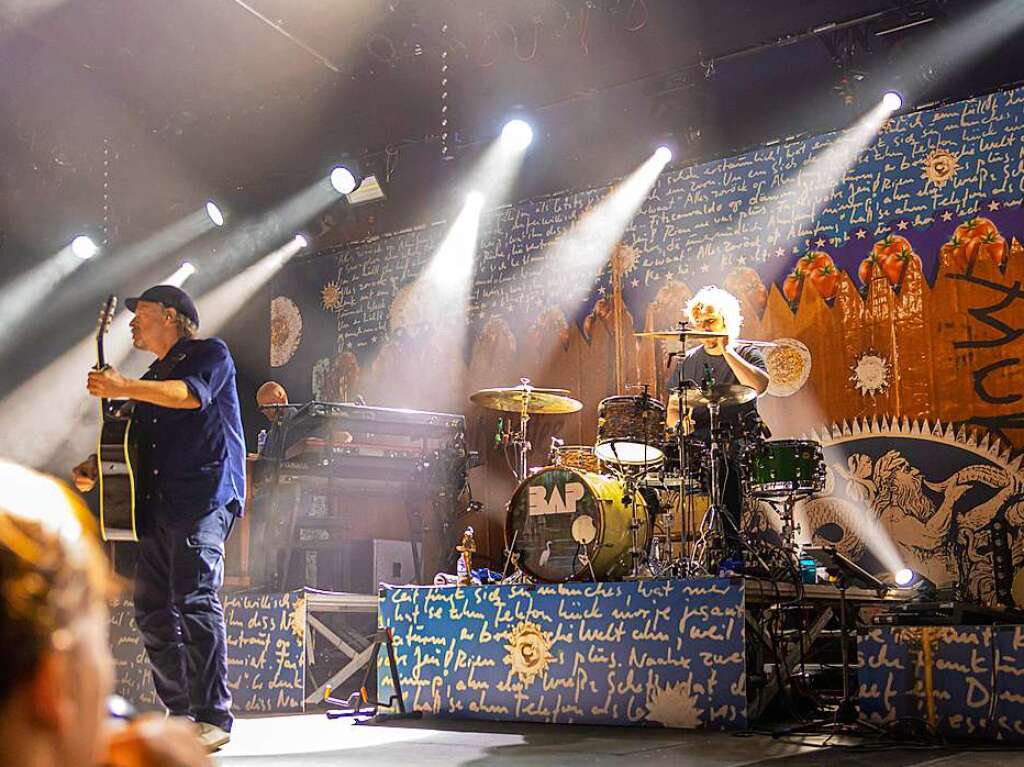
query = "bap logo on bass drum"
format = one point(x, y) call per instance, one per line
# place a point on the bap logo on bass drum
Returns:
point(540, 504)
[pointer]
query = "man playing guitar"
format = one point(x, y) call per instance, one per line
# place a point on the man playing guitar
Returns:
point(190, 488)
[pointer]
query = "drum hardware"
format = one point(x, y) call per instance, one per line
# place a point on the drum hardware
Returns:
point(525, 399)
point(584, 559)
point(712, 532)
point(511, 556)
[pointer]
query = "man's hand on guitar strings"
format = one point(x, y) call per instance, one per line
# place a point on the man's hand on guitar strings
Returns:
point(106, 383)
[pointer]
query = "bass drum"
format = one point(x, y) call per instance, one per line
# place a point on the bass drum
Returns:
point(553, 511)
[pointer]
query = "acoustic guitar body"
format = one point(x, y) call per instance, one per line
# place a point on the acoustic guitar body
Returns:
point(118, 462)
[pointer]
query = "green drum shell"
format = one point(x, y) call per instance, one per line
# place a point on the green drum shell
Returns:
point(601, 500)
point(783, 467)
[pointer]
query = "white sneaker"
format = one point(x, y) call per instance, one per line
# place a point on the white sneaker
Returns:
point(212, 737)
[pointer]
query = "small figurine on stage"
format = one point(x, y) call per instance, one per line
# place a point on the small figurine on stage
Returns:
point(466, 549)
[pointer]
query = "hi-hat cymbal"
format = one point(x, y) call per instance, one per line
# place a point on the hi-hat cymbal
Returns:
point(675, 335)
point(723, 394)
point(510, 399)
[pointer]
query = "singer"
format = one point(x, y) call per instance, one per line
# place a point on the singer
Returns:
point(717, 362)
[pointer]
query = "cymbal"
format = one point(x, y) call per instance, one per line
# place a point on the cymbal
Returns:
point(723, 394)
point(510, 399)
point(674, 335)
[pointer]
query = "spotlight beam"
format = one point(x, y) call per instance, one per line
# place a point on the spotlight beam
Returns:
point(53, 406)
point(219, 305)
point(966, 39)
point(592, 239)
point(237, 249)
point(27, 292)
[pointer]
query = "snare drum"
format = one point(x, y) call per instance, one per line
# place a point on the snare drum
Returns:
point(630, 431)
point(783, 467)
point(580, 457)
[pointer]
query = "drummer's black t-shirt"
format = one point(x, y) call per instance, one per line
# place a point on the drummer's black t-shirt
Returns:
point(703, 368)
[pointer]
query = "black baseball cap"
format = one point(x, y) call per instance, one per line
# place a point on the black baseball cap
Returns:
point(169, 296)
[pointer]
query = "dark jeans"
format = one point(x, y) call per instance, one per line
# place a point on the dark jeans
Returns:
point(178, 612)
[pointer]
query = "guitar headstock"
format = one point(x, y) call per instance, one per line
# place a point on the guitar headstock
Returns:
point(102, 326)
point(106, 315)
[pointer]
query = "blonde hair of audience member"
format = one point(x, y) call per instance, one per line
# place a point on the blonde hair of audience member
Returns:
point(54, 588)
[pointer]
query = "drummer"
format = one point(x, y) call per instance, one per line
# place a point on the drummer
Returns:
point(717, 362)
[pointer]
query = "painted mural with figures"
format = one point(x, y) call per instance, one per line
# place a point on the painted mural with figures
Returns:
point(894, 295)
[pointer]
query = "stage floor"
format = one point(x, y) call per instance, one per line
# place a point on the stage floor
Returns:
point(312, 740)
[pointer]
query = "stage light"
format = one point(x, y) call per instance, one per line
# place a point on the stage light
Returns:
point(517, 133)
point(892, 101)
point(301, 241)
point(663, 155)
point(475, 199)
point(83, 247)
point(214, 213)
point(188, 269)
point(906, 578)
point(343, 180)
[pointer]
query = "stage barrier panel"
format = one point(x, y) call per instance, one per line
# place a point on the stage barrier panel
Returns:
point(266, 649)
point(963, 681)
point(658, 652)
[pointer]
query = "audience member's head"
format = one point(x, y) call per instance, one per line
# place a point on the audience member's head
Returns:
point(271, 393)
point(53, 625)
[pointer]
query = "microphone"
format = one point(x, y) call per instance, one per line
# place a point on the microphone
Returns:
point(709, 377)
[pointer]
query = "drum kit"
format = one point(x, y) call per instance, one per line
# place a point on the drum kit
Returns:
point(645, 500)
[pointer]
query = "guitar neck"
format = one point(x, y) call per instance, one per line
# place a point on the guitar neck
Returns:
point(101, 362)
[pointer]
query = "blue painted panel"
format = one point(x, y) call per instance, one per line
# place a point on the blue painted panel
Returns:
point(266, 668)
point(975, 675)
point(667, 653)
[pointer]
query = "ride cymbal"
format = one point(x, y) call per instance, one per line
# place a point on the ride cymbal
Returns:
point(511, 399)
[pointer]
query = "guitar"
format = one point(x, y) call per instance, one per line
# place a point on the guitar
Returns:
point(116, 453)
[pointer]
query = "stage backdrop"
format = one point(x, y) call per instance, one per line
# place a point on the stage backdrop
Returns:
point(896, 293)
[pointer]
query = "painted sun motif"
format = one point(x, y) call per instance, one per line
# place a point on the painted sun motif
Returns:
point(297, 620)
point(871, 374)
point(529, 651)
point(330, 296)
point(940, 166)
point(285, 330)
point(675, 705)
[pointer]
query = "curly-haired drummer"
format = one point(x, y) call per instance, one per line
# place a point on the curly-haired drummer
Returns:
point(716, 362)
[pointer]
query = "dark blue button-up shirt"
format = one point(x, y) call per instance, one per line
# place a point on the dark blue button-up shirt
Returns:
point(192, 461)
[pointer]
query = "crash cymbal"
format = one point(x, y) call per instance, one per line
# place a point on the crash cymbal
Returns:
point(543, 401)
point(723, 394)
point(675, 335)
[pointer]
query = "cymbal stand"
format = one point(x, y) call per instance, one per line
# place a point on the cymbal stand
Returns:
point(520, 442)
point(630, 477)
point(691, 564)
point(711, 532)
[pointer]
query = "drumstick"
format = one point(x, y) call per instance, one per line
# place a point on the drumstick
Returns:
point(755, 343)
